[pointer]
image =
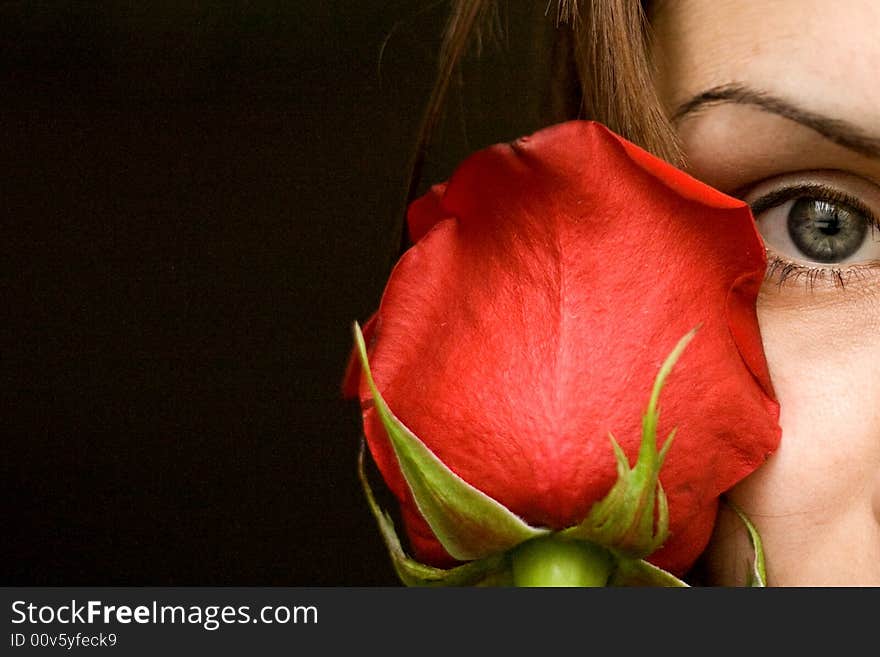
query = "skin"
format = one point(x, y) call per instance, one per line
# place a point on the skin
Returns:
point(816, 502)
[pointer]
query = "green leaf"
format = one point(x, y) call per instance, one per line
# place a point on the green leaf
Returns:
point(468, 523)
point(758, 574)
point(491, 571)
point(624, 520)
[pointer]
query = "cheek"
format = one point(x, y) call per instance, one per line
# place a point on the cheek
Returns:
point(816, 501)
point(824, 358)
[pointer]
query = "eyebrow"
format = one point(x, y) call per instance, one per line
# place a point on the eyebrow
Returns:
point(835, 130)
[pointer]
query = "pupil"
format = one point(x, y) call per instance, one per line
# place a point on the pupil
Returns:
point(826, 231)
point(829, 225)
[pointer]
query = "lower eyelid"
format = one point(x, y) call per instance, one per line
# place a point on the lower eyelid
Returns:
point(786, 273)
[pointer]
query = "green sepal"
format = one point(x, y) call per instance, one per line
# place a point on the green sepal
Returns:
point(757, 576)
point(491, 571)
point(468, 523)
point(624, 520)
point(638, 572)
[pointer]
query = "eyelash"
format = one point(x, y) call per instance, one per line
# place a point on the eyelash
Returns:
point(783, 270)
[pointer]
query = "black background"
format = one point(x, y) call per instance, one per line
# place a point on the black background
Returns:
point(198, 198)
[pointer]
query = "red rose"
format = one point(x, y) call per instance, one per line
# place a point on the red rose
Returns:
point(550, 279)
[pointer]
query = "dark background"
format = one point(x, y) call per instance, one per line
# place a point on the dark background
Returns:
point(197, 200)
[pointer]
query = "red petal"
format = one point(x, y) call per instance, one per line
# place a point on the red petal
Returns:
point(517, 335)
point(425, 212)
point(421, 216)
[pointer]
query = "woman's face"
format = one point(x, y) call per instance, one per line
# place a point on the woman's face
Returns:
point(778, 102)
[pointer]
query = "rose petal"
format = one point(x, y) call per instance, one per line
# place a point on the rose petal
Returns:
point(426, 211)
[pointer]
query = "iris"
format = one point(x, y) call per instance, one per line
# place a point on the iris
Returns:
point(826, 231)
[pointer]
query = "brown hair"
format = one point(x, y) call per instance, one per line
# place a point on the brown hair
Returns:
point(602, 70)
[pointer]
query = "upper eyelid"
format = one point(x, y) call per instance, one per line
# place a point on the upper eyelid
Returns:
point(833, 182)
point(823, 192)
point(804, 175)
